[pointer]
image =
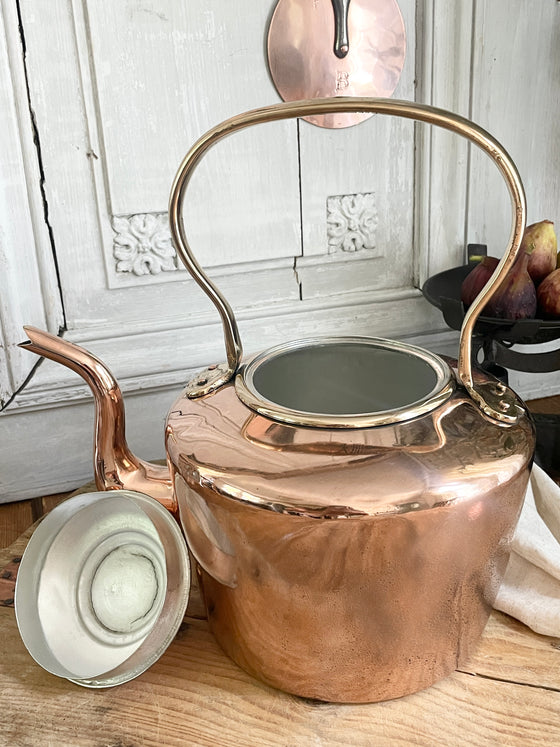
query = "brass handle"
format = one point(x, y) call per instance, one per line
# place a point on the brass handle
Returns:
point(493, 400)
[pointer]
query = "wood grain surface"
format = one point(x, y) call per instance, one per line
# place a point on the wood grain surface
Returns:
point(194, 695)
point(14, 519)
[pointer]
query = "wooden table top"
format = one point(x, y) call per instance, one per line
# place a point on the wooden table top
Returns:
point(194, 695)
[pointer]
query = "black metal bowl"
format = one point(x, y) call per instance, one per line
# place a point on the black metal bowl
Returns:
point(444, 292)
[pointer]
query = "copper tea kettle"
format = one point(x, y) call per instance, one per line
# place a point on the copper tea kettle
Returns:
point(349, 501)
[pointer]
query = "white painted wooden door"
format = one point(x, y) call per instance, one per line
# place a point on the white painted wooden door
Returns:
point(115, 91)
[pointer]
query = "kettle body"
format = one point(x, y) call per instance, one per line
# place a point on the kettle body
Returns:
point(348, 564)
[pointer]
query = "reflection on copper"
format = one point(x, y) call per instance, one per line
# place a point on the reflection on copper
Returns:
point(272, 435)
point(207, 540)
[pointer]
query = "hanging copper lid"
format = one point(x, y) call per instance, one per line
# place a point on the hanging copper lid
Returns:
point(321, 48)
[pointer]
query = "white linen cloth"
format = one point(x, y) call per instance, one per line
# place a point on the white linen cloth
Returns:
point(530, 590)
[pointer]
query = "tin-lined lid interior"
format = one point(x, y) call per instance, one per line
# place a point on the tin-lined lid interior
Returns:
point(102, 587)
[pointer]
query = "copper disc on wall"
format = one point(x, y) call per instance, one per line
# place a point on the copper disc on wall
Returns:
point(303, 62)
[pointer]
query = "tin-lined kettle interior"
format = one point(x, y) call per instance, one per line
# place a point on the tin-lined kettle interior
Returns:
point(344, 382)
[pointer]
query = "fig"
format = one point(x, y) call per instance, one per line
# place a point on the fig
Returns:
point(477, 279)
point(516, 298)
point(548, 295)
point(540, 240)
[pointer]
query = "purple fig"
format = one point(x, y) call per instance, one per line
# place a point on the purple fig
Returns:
point(477, 279)
point(548, 295)
point(516, 298)
point(540, 240)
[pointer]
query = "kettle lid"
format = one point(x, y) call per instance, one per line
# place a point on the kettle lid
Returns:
point(102, 587)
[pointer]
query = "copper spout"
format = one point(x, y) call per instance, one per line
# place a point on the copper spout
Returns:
point(115, 466)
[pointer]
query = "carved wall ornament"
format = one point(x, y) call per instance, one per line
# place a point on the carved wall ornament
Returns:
point(142, 244)
point(351, 222)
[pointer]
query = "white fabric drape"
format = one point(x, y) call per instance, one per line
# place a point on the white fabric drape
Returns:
point(530, 590)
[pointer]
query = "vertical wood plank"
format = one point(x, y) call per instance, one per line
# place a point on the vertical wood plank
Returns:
point(443, 80)
point(516, 69)
point(15, 518)
point(28, 286)
point(515, 75)
point(48, 502)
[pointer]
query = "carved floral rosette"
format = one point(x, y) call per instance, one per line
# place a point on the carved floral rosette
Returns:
point(351, 222)
point(142, 244)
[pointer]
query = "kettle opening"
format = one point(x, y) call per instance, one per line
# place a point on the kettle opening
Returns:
point(344, 382)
